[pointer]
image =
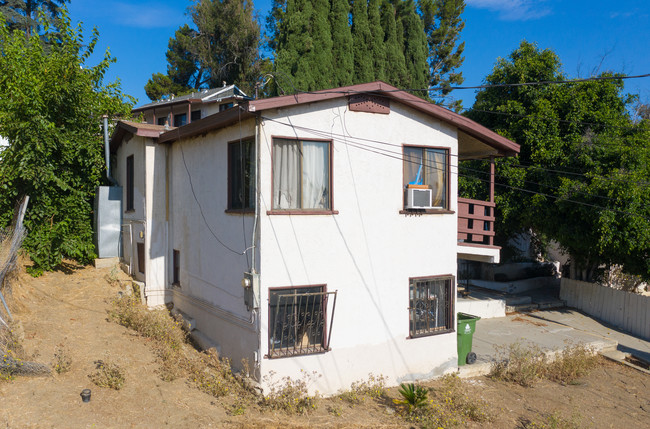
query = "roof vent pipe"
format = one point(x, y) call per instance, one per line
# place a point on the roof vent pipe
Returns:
point(107, 152)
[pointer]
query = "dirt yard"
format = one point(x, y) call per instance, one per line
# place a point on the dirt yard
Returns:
point(70, 308)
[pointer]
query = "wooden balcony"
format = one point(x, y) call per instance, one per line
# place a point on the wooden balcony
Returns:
point(475, 223)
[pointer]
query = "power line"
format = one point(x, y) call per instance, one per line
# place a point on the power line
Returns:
point(395, 155)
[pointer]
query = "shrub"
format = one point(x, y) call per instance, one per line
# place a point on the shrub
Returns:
point(522, 364)
point(108, 374)
point(374, 387)
point(62, 360)
point(291, 396)
point(571, 363)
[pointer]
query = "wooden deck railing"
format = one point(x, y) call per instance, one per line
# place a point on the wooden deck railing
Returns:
point(475, 222)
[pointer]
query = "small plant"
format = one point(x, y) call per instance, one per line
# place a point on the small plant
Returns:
point(11, 352)
point(522, 364)
point(571, 363)
point(553, 421)
point(62, 360)
point(238, 408)
point(291, 396)
point(108, 374)
point(413, 397)
point(374, 387)
point(335, 410)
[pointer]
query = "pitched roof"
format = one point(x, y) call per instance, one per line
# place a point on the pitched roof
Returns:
point(203, 96)
point(468, 126)
point(256, 107)
point(136, 128)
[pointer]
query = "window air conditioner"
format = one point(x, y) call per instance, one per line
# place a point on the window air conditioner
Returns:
point(418, 198)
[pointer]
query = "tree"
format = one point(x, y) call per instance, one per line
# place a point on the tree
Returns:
point(583, 163)
point(362, 43)
point(51, 107)
point(393, 41)
point(377, 48)
point(223, 46)
point(342, 53)
point(22, 15)
point(443, 25)
point(415, 46)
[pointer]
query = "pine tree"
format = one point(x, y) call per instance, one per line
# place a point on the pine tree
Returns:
point(443, 24)
point(342, 52)
point(23, 15)
point(362, 40)
point(377, 47)
point(224, 47)
point(320, 58)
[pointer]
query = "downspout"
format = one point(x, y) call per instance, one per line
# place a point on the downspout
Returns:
point(107, 152)
point(257, 191)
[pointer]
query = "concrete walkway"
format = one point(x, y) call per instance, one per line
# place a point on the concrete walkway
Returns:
point(550, 330)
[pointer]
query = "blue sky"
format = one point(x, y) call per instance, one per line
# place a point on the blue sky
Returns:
point(589, 36)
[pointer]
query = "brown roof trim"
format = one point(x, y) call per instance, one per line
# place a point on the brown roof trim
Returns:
point(207, 124)
point(167, 104)
point(483, 134)
point(134, 128)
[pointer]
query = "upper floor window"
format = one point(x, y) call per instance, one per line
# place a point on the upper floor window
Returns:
point(426, 177)
point(226, 106)
point(162, 120)
point(180, 119)
point(301, 175)
point(196, 115)
point(241, 175)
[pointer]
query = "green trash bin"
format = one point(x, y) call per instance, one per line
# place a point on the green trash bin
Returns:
point(465, 333)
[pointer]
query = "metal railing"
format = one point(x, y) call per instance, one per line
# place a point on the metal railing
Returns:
point(475, 222)
point(299, 323)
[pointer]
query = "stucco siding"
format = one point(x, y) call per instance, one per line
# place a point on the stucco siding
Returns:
point(367, 252)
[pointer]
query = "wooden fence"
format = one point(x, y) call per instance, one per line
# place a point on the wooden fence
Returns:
point(625, 310)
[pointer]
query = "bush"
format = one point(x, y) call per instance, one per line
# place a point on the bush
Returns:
point(62, 360)
point(291, 396)
point(108, 374)
point(374, 387)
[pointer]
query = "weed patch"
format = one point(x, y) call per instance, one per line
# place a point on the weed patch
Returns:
point(62, 360)
point(374, 387)
point(289, 395)
point(108, 374)
point(524, 365)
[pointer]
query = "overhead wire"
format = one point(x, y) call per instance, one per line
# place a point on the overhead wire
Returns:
point(399, 156)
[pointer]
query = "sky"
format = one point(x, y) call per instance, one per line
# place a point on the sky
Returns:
point(590, 36)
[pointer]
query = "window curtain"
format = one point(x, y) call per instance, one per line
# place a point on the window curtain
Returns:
point(286, 177)
point(436, 171)
point(315, 175)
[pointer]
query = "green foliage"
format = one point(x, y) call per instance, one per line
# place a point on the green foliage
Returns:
point(50, 112)
point(222, 47)
point(583, 162)
point(443, 24)
point(342, 55)
point(403, 42)
point(413, 396)
point(23, 15)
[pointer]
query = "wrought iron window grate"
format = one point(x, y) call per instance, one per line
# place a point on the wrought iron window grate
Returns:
point(430, 306)
point(299, 321)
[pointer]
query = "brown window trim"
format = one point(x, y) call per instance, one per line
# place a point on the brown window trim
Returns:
point(450, 317)
point(324, 347)
point(448, 184)
point(418, 212)
point(230, 209)
point(302, 211)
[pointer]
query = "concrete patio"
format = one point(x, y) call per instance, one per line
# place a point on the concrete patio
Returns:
point(550, 330)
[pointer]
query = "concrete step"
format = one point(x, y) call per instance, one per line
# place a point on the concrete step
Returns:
point(518, 308)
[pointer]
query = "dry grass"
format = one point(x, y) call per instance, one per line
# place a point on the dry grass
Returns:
point(374, 387)
point(62, 360)
point(291, 396)
point(11, 351)
point(450, 405)
point(108, 374)
point(178, 359)
point(525, 365)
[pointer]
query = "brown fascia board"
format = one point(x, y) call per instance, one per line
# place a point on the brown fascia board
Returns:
point(165, 105)
point(205, 125)
point(134, 128)
point(505, 146)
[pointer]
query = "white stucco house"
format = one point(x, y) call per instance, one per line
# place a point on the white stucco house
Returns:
point(315, 231)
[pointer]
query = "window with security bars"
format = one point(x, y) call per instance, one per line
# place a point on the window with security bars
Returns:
point(430, 306)
point(298, 320)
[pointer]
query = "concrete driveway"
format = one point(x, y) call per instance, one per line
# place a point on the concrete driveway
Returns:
point(550, 330)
